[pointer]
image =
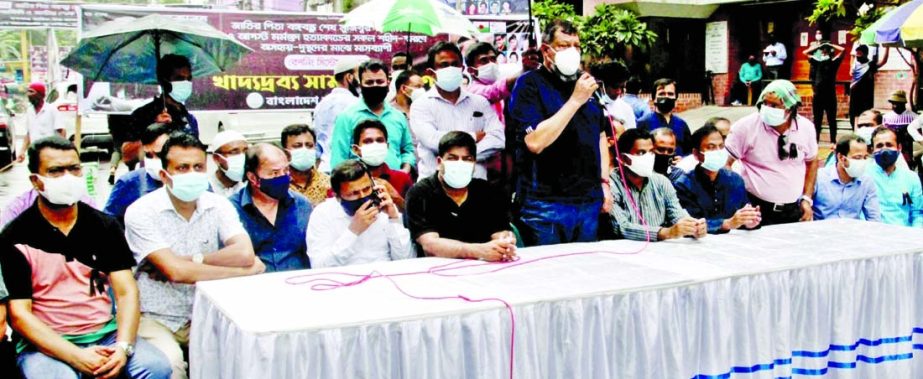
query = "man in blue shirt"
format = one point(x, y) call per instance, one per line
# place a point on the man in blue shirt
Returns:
point(142, 180)
point(843, 190)
point(713, 192)
point(664, 102)
point(275, 217)
point(632, 92)
point(561, 151)
point(900, 197)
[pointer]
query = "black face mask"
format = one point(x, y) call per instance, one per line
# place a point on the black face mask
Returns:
point(751, 61)
point(862, 59)
point(665, 104)
point(662, 163)
point(374, 95)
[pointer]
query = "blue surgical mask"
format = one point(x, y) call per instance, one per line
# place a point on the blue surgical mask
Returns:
point(189, 186)
point(276, 188)
point(235, 170)
point(181, 90)
point(772, 116)
point(886, 158)
point(303, 159)
point(351, 206)
point(715, 159)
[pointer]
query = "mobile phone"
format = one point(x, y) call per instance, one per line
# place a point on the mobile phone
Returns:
point(376, 199)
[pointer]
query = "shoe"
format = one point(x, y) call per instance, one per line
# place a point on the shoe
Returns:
point(111, 178)
point(736, 103)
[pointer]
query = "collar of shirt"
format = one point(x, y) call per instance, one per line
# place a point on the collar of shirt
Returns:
point(434, 94)
point(831, 174)
point(386, 108)
point(163, 203)
point(246, 199)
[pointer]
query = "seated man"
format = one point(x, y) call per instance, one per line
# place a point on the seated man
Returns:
point(142, 180)
point(275, 216)
point(842, 189)
point(7, 351)
point(62, 282)
point(689, 162)
point(175, 233)
point(665, 152)
point(868, 121)
point(370, 144)
point(361, 225)
point(229, 151)
point(713, 192)
point(900, 198)
point(663, 217)
point(307, 179)
point(454, 216)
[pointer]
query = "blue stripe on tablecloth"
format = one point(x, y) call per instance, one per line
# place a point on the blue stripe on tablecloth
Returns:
point(824, 353)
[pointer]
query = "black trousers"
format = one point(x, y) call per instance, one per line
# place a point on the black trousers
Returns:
point(774, 214)
point(825, 102)
point(8, 366)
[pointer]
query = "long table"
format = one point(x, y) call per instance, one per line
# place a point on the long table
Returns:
point(831, 299)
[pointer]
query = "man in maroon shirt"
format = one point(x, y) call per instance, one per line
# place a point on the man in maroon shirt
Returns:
point(370, 143)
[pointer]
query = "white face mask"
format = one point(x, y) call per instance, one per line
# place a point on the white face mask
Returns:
point(642, 165)
point(374, 154)
point(449, 78)
point(457, 174)
point(235, 170)
point(63, 190)
point(567, 61)
point(715, 159)
point(772, 116)
point(303, 159)
point(181, 90)
point(488, 73)
point(153, 166)
point(856, 167)
point(415, 93)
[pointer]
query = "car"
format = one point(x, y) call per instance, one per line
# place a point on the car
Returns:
point(94, 129)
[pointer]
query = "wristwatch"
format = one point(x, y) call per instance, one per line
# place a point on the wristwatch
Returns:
point(198, 258)
point(128, 348)
point(808, 199)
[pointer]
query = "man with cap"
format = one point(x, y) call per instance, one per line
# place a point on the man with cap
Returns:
point(343, 96)
point(898, 119)
point(777, 150)
point(45, 122)
point(229, 152)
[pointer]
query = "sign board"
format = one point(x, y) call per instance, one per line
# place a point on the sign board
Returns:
point(716, 47)
point(21, 14)
point(291, 66)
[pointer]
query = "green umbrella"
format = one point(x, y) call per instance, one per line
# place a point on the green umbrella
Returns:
point(427, 17)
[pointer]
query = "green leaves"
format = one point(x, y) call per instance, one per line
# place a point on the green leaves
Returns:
point(827, 10)
point(604, 34)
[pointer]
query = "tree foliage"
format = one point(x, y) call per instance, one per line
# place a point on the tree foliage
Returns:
point(605, 34)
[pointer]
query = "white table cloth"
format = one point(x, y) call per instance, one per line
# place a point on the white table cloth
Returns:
point(837, 299)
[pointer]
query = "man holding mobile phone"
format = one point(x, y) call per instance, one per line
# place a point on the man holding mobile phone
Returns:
point(360, 225)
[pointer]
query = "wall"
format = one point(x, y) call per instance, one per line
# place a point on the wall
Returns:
point(886, 82)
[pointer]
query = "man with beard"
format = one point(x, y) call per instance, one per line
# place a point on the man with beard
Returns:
point(343, 96)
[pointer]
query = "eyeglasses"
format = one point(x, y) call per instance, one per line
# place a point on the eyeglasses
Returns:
point(792, 151)
point(864, 125)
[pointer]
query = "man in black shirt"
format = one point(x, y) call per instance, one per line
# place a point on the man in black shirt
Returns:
point(452, 215)
point(825, 65)
point(174, 73)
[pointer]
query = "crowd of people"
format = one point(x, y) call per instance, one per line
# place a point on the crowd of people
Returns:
point(554, 154)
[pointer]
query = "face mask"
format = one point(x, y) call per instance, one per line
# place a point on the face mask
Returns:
point(886, 158)
point(642, 165)
point(665, 104)
point(416, 93)
point(374, 95)
point(567, 61)
point(351, 206)
point(772, 116)
point(189, 186)
point(181, 90)
point(63, 190)
point(488, 73)
point(303, 159)
point(373, 154)
point(751, 61)
point(449, 78)
point(862, 59)
point(662, 163)
point(153, 166)
point(856, 167)
point(276, 188)
point(235, 170)
point(715, 159)
point(822, 58)
point(457, 174)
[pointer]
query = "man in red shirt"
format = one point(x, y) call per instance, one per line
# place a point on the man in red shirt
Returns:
point(370, 143)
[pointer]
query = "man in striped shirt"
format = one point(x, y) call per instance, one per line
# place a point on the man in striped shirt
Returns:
point(645, 205)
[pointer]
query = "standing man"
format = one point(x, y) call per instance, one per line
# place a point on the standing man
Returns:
point(900, 197)
point(614, 75)
point(174, 73)
point(562, 152)
point(898, 119)
point(343, 96)
point(481, 59)
point(664, 102)
point(531, 59)
point(862, 85)
point(361, 225)
point(229, 151)
point(181, 234)
point(314, 184)
point(373, 78)
point(749, 76)
point(825, 65)
point(408, 88)
point(142, 180)
point(274, 216)
point(777, 149)
point(45, 122)
point(774, 57)
point(633, 97)
point(843, 190)
point(68, 269)
point(449, 108)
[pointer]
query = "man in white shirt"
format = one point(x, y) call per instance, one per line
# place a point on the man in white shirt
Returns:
point(181, 234)
point(45, 122)
point(774, 56)
point(344, 95)
point(229, 152)
point(360, 225)
point(448, 108)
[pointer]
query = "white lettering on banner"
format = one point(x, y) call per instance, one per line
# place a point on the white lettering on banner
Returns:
point(389, 38)
point(246, 25)
point(363, 38)
point(341, 48)
point(285, 47)
point(310, 28)
point(371, 48)
point(270, 25)
point(297, 62)
point(328, 27)
point(417, 39)
point(306, 49)
point(262, 36)
point(288, 37)
point(303, 101)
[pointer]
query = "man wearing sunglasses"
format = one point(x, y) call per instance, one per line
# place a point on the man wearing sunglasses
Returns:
point(777, 149)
